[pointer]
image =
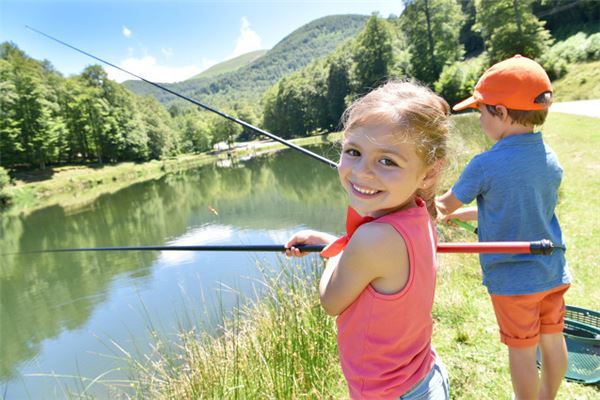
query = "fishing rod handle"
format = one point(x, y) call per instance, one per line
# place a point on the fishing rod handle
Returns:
point(544, 247)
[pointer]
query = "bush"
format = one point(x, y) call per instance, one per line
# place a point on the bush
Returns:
point(5, 199)
point(555, 67)
point(593, 47)
point(458, 79)
point(575, 49)
point(4, 178)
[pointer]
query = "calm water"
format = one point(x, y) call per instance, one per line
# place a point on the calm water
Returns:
point(61, 313)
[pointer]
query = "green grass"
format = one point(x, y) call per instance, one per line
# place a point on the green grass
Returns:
point(284, 347)
point(59, 186)
point(582, 82)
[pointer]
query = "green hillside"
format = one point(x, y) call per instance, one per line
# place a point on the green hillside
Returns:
point(582, 82)
point(312, 41)
point(230, 65)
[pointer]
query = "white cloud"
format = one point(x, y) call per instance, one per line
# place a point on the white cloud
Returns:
point(206, 63)
point(212, 234)
point(248, 39)
point(126, 32)
point(167, 52)
point(148, 68)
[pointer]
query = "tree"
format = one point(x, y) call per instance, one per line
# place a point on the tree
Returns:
point(244, 112)
point(338, 87)
point(196, 131)
point(284, 108)
point(225, 130)
point(112, 121)
point(158, 127)
point(33, 103)
point(372, 55)
point(471, 40)
point(10, 146)
point(508, 27)
point(432, 29)
point(96, 112)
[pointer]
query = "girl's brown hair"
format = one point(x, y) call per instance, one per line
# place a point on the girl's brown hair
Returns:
point(413, 111)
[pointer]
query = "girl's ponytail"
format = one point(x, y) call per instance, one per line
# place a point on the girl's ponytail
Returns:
point(428, 196)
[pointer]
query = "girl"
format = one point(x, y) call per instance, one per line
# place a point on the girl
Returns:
point(380, 277)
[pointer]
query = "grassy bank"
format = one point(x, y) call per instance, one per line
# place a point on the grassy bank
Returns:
point(73, 187)
point(284, 346)
point(582, 82)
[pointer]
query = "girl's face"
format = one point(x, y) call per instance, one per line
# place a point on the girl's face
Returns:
point(380, 172)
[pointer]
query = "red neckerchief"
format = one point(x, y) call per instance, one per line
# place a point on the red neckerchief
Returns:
point(353, 221)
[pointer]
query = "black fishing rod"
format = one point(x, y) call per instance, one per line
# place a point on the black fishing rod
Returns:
point(258, 247)
point(199, 104)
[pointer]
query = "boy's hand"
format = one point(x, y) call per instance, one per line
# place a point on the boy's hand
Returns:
point(308, 237)
point(464, 214)
point(446, 205)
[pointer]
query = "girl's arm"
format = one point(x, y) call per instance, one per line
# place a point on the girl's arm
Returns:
point(375, 255)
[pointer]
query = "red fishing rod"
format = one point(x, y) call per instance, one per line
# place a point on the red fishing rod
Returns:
point(196, 102)
point(545, 247)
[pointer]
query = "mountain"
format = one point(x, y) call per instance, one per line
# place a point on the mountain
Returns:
point(314, 40)
point(230, 65)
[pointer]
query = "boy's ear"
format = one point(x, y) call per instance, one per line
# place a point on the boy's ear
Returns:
point(501, 112)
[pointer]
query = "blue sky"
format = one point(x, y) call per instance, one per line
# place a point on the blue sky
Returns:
point(163, 41)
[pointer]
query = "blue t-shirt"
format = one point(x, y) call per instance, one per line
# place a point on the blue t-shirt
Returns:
point(516, 186)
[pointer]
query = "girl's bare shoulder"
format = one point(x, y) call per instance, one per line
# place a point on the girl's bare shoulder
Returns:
point(379, 243)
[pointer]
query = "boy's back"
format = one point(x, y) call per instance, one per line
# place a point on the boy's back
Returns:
point(516, 185)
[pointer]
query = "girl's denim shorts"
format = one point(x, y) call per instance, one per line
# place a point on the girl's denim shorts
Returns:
point(434, 386)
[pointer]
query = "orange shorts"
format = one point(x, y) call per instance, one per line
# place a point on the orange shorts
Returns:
point(522, 318)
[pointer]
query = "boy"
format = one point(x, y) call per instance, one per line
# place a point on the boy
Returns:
point(516, 186)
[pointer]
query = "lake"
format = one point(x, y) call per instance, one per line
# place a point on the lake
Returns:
point(65, 317)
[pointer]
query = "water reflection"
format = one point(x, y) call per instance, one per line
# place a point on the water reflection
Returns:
point(50, 302)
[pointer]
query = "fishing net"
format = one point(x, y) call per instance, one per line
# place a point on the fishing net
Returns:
point(582, 336)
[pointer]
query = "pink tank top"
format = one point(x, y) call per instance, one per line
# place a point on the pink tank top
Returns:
point(384, 341)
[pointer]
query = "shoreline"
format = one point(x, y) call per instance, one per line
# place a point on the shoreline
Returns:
point(76, 187)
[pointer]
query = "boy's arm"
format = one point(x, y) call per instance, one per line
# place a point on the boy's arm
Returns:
point(447, 203)
point(449, 206)
point(464, 214)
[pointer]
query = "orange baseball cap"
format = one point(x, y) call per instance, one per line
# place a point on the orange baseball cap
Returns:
point(514, 83)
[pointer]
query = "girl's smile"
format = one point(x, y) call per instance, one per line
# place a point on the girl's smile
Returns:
point(362, 191)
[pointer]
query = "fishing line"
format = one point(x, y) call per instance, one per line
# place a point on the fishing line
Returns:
point(199, 104)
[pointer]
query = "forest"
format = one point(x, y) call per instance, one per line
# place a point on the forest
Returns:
point(293, 90)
